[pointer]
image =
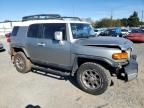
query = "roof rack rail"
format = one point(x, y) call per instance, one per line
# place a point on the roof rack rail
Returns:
point(42, 17)
point(72, 18)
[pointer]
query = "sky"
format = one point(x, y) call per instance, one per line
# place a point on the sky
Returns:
point(95, 9)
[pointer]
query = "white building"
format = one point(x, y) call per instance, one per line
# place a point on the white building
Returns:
point(6, 27)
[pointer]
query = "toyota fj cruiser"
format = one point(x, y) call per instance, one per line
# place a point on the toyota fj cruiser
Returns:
point(70, 48)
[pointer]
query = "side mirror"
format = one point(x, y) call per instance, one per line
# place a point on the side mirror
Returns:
point(58, 36)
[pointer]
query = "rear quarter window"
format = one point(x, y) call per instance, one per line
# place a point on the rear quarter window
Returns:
point(15, 31)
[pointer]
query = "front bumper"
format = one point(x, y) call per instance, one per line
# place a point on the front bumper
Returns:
point(131, 70)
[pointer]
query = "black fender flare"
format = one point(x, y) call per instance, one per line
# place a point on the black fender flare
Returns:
point(19, 49)
point(94, 58)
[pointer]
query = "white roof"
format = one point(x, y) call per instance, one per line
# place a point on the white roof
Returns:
point(27, 23)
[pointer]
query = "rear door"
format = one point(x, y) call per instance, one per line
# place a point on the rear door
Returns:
point(33, 37)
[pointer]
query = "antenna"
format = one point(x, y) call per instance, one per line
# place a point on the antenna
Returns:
point(111, 14)
point(141, 19)
point(142, 16)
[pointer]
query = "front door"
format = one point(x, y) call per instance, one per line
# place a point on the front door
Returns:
point(51, 51)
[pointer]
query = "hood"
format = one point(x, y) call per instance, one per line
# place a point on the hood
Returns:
point(122, 43)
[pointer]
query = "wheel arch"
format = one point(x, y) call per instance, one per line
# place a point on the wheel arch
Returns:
point(108, 64)
point(14, 50)
point(18, 49)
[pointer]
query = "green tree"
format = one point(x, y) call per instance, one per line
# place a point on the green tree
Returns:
point(104, 23)
point(116, 23)
point(107, 23)
point(142, 24)
point(133, 20)
point(124, 22)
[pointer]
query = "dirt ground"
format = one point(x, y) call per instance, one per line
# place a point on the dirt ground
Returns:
point(20, 90)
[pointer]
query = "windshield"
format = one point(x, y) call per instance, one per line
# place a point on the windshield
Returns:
point(82, 30)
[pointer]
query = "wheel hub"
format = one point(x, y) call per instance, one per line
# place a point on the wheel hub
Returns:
point(19, 63)
point(91, 79)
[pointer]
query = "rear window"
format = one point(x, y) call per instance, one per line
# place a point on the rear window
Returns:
point(15, 31)
point(35, 31)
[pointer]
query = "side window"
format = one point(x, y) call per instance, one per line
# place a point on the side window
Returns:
point(50, 29)
point(35, 31)
point(15, 31)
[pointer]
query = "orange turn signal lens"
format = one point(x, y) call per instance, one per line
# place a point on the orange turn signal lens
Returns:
point(119, 56)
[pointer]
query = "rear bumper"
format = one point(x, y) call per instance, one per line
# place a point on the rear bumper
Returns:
point(131, 70)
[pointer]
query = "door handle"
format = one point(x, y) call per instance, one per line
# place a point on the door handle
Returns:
point(41, 44)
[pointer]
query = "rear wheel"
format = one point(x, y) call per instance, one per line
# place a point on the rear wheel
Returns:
point(93, 78)
point(22, 63)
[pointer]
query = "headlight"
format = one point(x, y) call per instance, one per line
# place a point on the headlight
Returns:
point(119, 56)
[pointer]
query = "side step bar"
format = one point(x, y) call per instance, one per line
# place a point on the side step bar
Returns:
point(50, 71)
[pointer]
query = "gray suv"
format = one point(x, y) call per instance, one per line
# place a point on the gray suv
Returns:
point(70, 48)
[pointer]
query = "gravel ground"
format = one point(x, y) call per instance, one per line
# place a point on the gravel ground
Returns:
point(20, 90)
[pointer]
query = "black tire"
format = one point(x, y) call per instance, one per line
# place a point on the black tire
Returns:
point(93, 78)
point(22, 63)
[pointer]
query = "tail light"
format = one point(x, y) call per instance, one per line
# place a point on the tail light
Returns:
point(8, 37)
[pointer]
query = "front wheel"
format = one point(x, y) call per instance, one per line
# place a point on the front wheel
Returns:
point(93, 78)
